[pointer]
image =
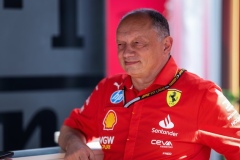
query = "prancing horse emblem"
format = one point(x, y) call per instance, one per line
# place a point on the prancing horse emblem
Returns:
point(173, 97)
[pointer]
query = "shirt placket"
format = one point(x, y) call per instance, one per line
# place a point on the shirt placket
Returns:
point(133, 130)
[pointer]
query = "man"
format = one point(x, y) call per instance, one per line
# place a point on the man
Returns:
point(155, 110)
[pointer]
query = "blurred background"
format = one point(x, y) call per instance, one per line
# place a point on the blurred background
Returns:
point(54, 52)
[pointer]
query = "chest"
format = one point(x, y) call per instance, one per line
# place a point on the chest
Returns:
point(165, 123)
point(168, 114)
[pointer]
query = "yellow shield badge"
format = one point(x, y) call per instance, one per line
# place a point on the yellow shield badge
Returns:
point(173, 96)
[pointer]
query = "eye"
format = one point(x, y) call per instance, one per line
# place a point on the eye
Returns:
point(120, 45)
point(138, 44)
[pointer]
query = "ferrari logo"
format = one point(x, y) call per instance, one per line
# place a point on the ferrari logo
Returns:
point(173, 96)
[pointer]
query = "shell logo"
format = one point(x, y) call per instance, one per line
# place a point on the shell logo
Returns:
point(110, 120)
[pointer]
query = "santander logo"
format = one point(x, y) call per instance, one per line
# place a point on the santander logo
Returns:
point(166, 123)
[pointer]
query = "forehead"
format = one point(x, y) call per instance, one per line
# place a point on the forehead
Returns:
point(138, 22)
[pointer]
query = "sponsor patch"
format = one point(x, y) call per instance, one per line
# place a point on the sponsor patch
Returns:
point(235, 121)
point(161, 143)
point(166, 123)
point(110, 120)
point(116, 97)
point(167, 153)
point(164, 132)
point(106, 142)
point(173, 97)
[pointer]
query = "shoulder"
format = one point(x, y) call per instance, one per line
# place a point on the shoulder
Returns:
point(110, 80)
point(193, 80)
point(203, 92)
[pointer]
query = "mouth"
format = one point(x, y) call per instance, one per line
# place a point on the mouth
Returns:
point(128, 63)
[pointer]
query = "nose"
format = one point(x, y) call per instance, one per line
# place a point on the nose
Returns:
point(128, 51)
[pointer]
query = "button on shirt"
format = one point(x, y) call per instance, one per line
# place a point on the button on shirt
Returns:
point(182, 122)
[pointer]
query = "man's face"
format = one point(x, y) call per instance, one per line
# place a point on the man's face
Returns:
point(140, 49)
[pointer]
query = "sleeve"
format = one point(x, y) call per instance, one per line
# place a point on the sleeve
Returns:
point(84, 119)
point(219, 124)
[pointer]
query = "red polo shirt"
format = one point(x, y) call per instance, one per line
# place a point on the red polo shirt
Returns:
point(182, 122)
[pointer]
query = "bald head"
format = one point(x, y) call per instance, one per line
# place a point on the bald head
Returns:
point(158, 21)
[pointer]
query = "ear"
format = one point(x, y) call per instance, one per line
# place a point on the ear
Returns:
point(167, 42)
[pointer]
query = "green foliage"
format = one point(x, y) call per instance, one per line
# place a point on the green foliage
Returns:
point(232, 98)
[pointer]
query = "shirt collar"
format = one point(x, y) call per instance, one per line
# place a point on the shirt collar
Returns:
point(127, 81)
point(167, 73)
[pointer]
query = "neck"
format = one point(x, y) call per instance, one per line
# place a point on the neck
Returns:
point(141, 83)
point(138, 85)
